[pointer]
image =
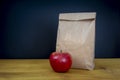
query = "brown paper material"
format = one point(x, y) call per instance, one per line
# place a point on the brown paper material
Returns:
point(76, 35)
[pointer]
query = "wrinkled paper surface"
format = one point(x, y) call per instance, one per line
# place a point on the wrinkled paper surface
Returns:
point(76, 35)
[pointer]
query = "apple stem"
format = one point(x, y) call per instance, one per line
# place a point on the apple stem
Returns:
point(60, 51)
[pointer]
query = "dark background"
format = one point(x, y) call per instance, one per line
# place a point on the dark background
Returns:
point(28, 29)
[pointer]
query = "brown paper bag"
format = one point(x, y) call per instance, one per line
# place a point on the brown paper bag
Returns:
point(76, 35)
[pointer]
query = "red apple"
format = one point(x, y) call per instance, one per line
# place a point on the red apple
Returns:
point(60, 62)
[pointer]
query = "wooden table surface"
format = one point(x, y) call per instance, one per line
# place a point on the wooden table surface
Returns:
point(40, 69)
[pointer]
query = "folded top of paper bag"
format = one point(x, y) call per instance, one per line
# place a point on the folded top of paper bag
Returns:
point(77, 16)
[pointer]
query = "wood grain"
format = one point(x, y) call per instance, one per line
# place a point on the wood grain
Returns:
point(40, 69)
